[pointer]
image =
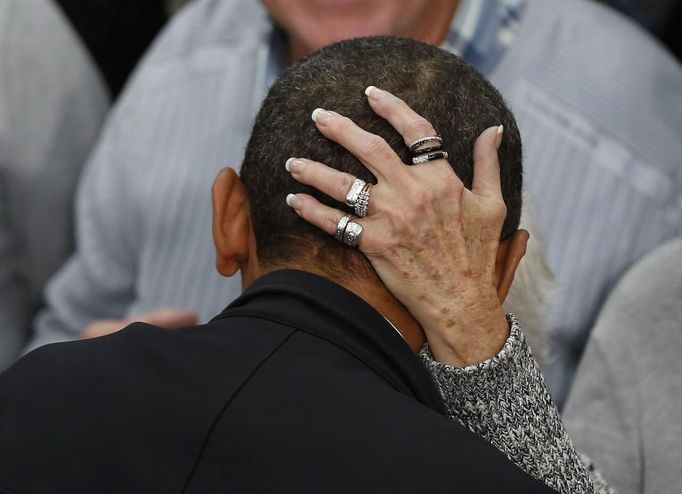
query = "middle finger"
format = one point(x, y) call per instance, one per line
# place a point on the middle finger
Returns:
point(373, 151)
point(404, 119)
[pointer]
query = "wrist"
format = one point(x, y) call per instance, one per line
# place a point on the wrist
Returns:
point(471, 339)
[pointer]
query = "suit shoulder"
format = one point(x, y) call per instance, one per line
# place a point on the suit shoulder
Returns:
point(141, 393)
point(70, 364)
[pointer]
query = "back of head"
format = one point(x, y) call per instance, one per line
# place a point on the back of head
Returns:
point(458, 101)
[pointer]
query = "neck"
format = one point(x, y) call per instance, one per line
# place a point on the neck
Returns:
point(371, 291)
point(431, 26)
point(375, 294)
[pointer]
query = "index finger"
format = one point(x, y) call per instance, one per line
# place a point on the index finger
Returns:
point(404, 119)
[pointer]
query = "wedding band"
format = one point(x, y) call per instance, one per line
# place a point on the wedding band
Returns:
point(351, 236)
point(423, 158)
point(415, 144)
point(362, 203)
point(354, 192)
point(341, 227)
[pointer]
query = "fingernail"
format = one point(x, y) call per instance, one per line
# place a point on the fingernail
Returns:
point(291, 162)
point(320, 116)
point(498, 139)
point(373, 92)
point(292, 201)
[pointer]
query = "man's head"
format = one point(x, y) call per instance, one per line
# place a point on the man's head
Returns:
point(458, 101)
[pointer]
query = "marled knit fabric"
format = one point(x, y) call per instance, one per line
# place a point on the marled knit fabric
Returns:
point(505, 400)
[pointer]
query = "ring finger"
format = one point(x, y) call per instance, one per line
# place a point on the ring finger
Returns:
point(327, 180)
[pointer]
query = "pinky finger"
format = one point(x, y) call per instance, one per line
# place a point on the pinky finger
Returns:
point(326, 218)
point(315, 213)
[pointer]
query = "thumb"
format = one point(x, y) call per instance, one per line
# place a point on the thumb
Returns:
point(486, 180)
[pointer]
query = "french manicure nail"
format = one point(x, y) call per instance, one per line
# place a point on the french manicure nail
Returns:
point(290, 200)
point(320, 116)
point(288, 164)
point(498, 139)
point(373, 92)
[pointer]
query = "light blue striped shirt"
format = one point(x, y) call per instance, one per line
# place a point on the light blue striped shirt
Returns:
point(599, 105)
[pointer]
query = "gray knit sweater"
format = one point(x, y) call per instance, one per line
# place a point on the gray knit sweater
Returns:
point(505, 400)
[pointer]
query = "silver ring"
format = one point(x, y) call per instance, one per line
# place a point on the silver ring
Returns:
point(354, 192)
point(436, 155)
point(341, 227)
point(418, 142)
point(363, 202)
point(351, 236)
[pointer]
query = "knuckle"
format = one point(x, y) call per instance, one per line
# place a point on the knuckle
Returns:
point(400, 104)
point(372, 246)
point(420, 126)
point(424, 197)
point(375, 145)
point(394, 105)
point(340, 191)
point(452, 186)
point(343, 123)
point(400, 225)
point(329, 224)
point(501, 209)
point(343, 185)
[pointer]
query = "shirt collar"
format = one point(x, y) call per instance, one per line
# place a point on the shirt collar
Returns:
point(480, 32)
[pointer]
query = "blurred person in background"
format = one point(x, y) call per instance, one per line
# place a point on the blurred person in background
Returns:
point(598, 102)
point(624, 407)
point(310, 381)
point(52, 102)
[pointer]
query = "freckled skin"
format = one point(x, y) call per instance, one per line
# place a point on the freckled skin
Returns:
point(434, 243)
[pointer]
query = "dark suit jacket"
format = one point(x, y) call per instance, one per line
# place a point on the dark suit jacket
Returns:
point(298, 386)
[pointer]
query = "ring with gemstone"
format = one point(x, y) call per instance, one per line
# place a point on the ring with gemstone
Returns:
point(362, 203)
point(423, 158)
point(423, 140)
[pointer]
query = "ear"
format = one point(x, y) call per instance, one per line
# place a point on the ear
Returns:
point(231, 222)
point(509, 255)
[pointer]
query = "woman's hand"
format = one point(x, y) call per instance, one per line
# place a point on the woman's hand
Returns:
point(433, 242)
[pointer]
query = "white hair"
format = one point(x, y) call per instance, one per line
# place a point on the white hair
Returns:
point(534, 288)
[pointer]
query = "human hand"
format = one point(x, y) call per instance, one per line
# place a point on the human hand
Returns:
point(169, 318)
point(433, 242)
